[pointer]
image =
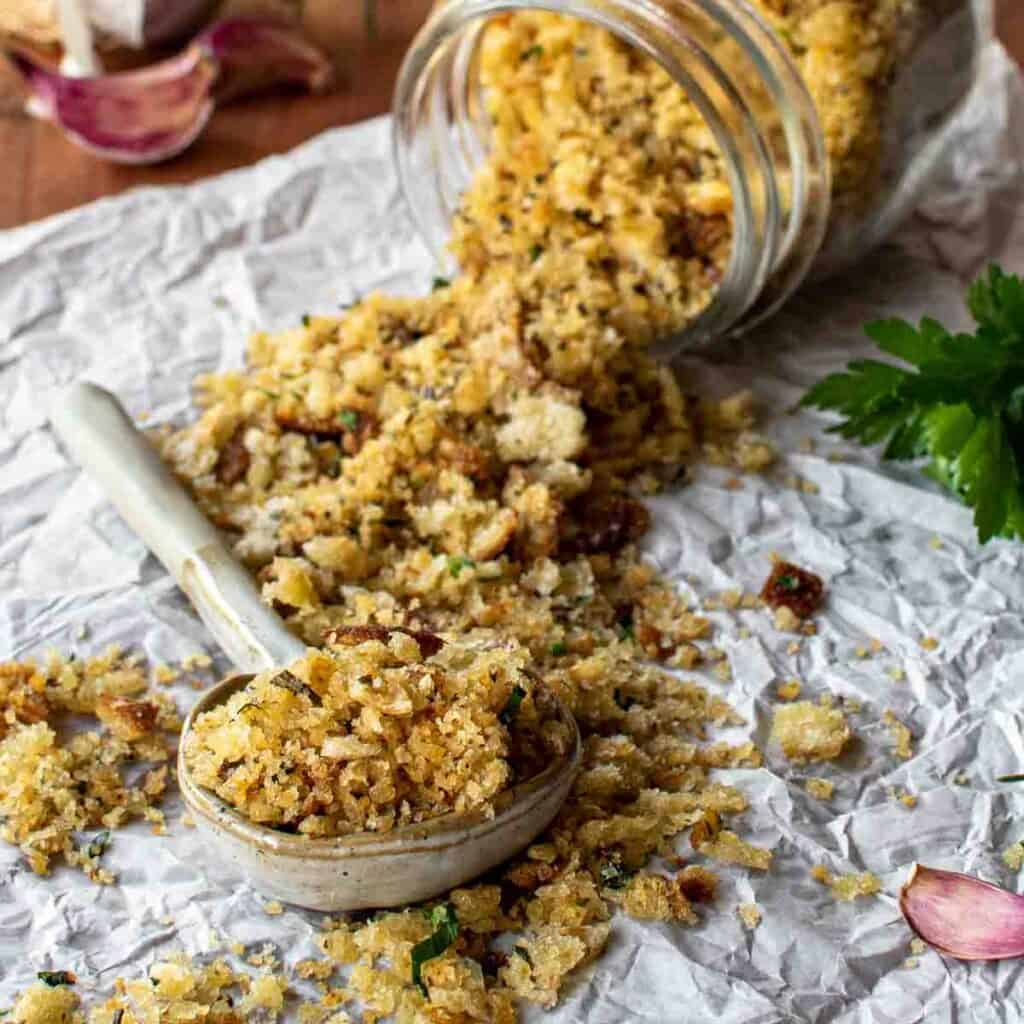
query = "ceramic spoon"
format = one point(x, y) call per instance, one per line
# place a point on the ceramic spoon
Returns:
point(358, 871)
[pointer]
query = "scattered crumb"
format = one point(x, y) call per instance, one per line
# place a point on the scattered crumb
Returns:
point(165, 674)
point(731, 599)
point(861, 652)
point(809, 487)
point(901, 735)
point(273, 908)
point(935, 541)
point(786, 621)
point(876, 645)
point(903, 796)
point(929, 643)
point(794, 589)
point(793, 647)
point(265, 956)
point(896, 674)
point(789, 690)
point(196, 661)
point(847, 887)
point(749, 915)
point(810, 732)
point(1013, 856)
point(727, 847)
point(820, 789)
point(723, 670)
point(320, 970)
point(918, 945)
point(911, 962)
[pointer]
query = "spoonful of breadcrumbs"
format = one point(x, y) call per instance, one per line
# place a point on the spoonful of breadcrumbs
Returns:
point(382, 769)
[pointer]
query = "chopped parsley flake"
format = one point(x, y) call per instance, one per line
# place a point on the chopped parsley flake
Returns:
point(508, 713)
point(446, 930)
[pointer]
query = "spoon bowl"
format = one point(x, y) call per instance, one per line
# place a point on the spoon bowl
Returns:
point(367, 870)
point(353, 872)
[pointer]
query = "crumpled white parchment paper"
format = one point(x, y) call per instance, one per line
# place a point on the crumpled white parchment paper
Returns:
point(143, 291)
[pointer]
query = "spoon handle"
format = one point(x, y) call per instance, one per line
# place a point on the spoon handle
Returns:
point(104, 441)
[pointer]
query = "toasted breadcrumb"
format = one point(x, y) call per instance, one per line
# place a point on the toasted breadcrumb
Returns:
point(820, 789)
point(1013, 856)
point(46, 1004)
point(52, 788)
point(273, 908)
point(847, 887)
point(810, 732)
point(379, 729)
point(727, 847)
point(789, 690)
point(787, 621)
point(929, 643)
point(749, 915)
point(902, 736)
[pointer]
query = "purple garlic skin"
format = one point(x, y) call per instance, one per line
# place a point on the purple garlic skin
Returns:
point(157, 112)
point(962, 916)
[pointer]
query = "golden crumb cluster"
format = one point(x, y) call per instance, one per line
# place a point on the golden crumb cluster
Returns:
point(810, 732)
point(381, 728)
point(52, 787)
point(847, 887)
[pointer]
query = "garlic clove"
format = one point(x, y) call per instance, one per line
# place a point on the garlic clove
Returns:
point(962, 916)
point(149, 115)
point(131, 117)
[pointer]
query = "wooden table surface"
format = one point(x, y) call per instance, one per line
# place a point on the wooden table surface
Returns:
point(44, 174)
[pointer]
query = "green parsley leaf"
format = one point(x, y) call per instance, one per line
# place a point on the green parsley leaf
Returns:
point(1010, 778)
point(508, 713)
point(349, 419)
point(456, 563)
point(535, 252)
point(99, 844)
point(558, 649)
point(613, 875)
point(960, 404)
point(788, 583)
point(305, 320)
point(446, 930)
point(523, 953)
point(56, 978)
point(439, 282)
point(533, 51)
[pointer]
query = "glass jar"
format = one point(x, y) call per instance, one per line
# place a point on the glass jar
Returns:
point(790, 215)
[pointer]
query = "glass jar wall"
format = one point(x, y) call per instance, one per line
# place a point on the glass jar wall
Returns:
point(823, 120)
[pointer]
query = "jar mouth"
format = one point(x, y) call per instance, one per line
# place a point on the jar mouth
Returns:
point(733, 68)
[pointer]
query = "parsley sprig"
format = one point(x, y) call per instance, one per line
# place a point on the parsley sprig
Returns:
point(445, 926)
point(960, 405)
